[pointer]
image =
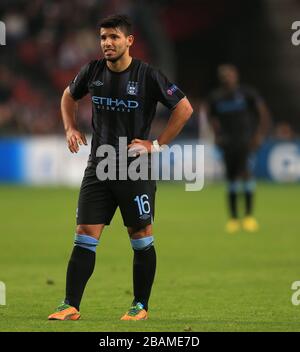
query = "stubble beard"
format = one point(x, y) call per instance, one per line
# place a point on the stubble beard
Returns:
point(115, 59)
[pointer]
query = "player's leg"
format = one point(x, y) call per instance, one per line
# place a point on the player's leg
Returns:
point(80, 268)
point(233, 190)
point(232, 181)
point(249, 222)
point(82, 262)
point(96, 207)
point(144, 267)
point(249, 184)
point(230, 161)
point(233, 224)
point(136, 201)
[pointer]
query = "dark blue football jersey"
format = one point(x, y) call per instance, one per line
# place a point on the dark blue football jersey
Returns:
point(236, 112)
point(123, 103)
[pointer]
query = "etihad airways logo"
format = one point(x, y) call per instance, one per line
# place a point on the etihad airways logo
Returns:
point(111, 104)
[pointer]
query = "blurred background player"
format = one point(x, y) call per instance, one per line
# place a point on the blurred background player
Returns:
point(240, 120)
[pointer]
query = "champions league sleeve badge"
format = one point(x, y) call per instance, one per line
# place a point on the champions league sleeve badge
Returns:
point(132, 88)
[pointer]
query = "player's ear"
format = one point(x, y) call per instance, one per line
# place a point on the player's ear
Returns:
point(130, 40)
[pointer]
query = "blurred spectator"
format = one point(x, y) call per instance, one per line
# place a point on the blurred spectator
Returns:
point(47, 43)
point(49, 40)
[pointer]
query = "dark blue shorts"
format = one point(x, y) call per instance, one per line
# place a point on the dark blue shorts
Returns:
point(98, 200)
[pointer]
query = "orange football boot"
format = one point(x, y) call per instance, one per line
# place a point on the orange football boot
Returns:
point(136, 312)
point(65, 312)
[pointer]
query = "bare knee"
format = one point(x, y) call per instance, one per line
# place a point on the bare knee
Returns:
point(136, 233)
point(90, 230)
point(141, 239)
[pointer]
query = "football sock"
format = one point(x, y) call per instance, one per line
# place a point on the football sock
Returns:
point(80, 268)
point(233, 204)
point(144, 266)
point(233, 198)
point(249, 187)
point(248, 203)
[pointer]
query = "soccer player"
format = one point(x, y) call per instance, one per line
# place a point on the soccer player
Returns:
point(240, 120)
point(124, 93)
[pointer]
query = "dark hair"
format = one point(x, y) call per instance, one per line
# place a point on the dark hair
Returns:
point(117, 21)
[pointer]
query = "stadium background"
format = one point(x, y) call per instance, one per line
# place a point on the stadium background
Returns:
point(46, 43)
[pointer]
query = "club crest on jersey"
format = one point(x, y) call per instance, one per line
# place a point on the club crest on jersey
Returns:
point(132, 88)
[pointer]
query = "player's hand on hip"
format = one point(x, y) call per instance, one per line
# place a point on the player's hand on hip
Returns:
point(139, 146)
point(74, 139)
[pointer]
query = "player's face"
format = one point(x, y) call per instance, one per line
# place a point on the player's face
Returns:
point(114, 43)
point(228, 76)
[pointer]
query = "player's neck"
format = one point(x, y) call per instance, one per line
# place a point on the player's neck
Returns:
point(120, 65)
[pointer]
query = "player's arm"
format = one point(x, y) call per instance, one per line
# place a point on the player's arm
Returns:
point(212, 120)
point(69, 109)
point(264, 118)
point(264, 124)
point(179, 117)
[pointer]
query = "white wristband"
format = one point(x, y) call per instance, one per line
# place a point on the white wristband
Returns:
point(156, 146)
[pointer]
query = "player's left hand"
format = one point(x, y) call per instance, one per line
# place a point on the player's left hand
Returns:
point(139, 146)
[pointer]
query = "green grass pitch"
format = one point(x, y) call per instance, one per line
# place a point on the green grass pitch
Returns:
point(206, 279)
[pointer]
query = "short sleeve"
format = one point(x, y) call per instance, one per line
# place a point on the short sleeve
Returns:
point(164, 91)
point(79, 85)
